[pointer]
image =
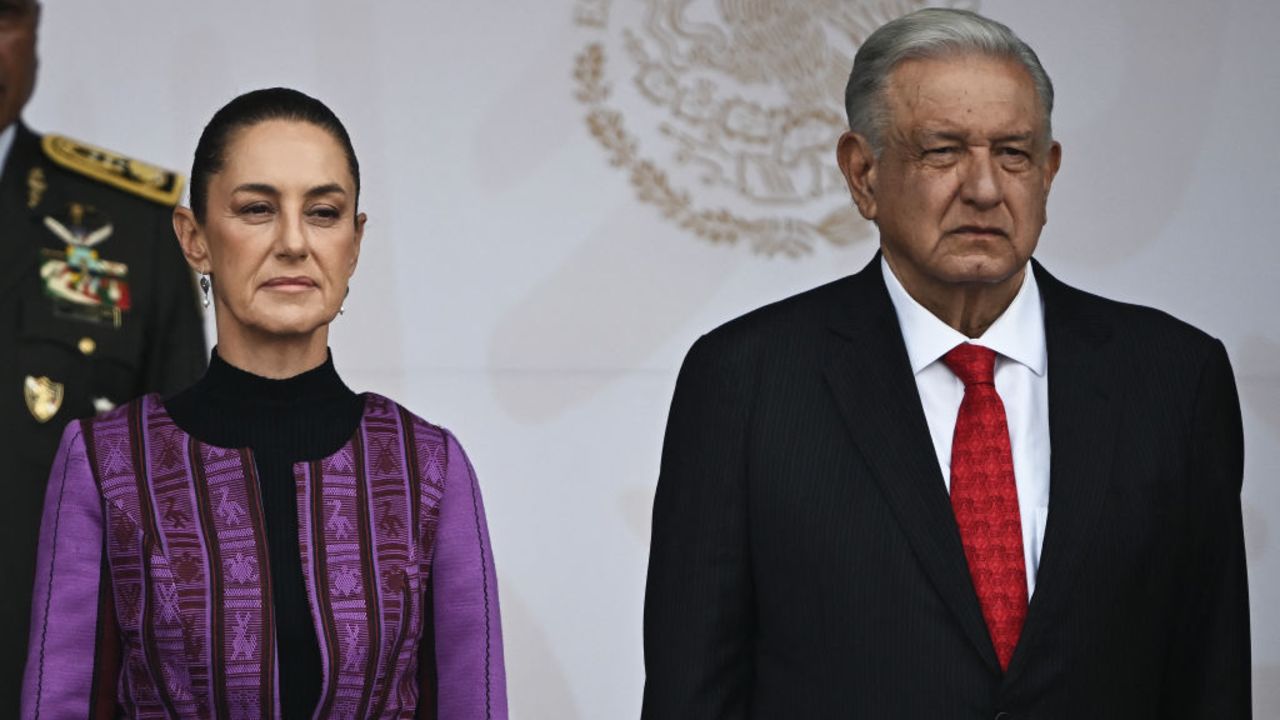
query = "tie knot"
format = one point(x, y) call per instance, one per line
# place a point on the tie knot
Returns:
point(973, 364)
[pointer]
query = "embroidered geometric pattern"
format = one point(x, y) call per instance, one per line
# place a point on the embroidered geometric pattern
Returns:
point(984, 498)
point(188, 550)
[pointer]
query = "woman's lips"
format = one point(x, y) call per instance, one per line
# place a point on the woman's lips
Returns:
point(290, 284)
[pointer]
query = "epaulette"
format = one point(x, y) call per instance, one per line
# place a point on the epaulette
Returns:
point(133, 176)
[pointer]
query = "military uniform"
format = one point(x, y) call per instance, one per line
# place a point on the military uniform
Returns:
point(97, 306)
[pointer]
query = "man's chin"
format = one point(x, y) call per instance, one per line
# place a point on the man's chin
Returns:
point(982, 270)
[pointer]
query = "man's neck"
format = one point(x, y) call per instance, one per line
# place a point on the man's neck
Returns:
point(970, 308)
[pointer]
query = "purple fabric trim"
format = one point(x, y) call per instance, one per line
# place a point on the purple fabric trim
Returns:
point(186, 556)
point(468, 625)
point(53, 687)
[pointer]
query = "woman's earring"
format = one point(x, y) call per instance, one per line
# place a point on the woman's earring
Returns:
point(204, 287)
point(342, 309)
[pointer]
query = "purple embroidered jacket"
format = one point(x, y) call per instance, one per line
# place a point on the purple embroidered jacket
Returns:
point(152, 590)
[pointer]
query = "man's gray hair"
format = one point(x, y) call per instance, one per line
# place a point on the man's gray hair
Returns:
point(925, 34)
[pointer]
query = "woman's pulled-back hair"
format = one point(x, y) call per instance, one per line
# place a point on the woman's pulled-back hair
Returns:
point(248, 110)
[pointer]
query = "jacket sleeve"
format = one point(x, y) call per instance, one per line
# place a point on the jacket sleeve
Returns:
point(467, 627)
point(1209, 673)
point(699, 601)
point(73, 653)
point(175, 354)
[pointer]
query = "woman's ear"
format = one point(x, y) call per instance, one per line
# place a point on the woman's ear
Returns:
point(192, 239)
point(361, 219)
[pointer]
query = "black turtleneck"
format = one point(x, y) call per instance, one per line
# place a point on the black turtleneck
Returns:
point(305, 417)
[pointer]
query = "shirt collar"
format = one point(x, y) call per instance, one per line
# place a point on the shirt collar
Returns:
point(1017, 334)
point(6, 142)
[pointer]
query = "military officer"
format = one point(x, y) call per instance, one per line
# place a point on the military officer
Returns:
point(97, 306)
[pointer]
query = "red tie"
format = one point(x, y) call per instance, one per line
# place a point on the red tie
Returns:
point(985, 498)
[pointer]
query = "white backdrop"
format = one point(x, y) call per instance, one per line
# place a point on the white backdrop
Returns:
point(532, 296)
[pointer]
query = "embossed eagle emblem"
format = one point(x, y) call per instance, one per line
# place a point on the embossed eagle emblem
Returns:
point(725, 113)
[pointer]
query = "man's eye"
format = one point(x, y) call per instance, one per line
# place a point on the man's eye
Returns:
point(940, 151)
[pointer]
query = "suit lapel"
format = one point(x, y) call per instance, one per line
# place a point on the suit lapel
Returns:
point(1084, 398)
point(870, 377)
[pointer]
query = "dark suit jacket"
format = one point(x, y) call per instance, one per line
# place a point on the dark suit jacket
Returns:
point(805, 561)
point(157, 346)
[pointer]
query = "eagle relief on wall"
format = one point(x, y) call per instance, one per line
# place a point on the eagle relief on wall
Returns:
point(725, 113)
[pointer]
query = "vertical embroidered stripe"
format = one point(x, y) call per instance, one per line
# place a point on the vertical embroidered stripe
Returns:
point(368, 572)
point(150, 538)
point(213, 565)
point(414, 470)
point(392, 504)
point(178, 586)
point(105, 440)
point(266, 632)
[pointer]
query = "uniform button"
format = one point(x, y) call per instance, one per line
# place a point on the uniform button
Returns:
point(87, 346)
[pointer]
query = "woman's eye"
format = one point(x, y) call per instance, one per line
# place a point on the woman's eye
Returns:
point(256, 209)
point(325, 213)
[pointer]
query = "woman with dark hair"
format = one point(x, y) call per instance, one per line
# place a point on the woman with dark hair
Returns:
point(266, 543)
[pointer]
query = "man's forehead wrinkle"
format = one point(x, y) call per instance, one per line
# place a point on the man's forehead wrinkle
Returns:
point(923, 107)
point(943, 128)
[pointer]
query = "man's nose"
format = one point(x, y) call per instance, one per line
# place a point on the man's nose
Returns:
point(980, 184)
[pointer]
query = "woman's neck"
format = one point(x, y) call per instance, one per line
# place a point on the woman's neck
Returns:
point(274, 356)
point(305, 416)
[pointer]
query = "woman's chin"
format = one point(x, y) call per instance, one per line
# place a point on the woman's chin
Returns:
point(291, 325)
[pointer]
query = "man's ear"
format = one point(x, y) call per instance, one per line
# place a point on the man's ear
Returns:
point(858, 165)
point(192, 239)
point(1052, 163)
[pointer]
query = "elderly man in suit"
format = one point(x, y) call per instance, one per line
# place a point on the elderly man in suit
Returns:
point(950, 486)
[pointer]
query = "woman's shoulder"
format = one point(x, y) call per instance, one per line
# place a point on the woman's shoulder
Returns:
point(432, 448)
point(381, 408)
point(119, 416)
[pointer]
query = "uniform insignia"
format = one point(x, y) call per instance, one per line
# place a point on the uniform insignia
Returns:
point(36, 185)
point(148, 181)
point(43, 396)
point(84, 285)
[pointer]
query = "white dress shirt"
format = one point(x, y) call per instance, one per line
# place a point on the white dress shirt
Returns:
point(6, 142)
point(1022, 380)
